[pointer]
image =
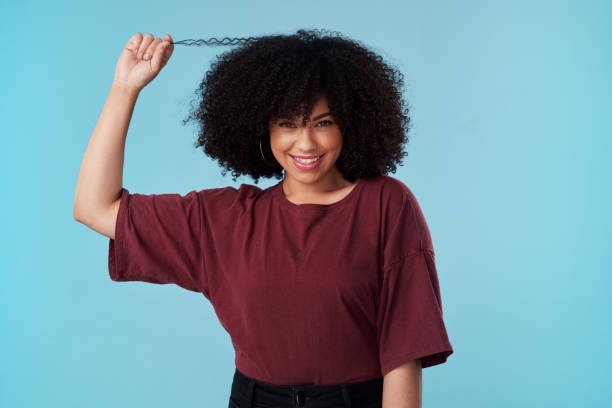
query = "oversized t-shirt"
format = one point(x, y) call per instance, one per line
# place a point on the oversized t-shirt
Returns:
point(309, 293)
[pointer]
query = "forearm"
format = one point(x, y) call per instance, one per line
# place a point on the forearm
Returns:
point(101, 175)
point(402, 386)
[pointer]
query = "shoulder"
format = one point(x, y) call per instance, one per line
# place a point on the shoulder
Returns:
point(406, 230)
point(243, 192)
point(395, 195)
point(230, 197)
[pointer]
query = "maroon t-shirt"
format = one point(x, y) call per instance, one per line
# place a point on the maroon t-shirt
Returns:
point(309, 293)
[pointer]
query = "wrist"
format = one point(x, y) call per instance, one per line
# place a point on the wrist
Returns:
point(125, 88)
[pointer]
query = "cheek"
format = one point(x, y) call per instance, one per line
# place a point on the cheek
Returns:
point(334, 142)
point(279, 144)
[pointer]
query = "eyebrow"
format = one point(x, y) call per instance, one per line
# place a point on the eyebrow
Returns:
point(321, 116)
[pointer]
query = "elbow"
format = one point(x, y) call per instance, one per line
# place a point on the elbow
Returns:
point(79, 214)
point(76, 215)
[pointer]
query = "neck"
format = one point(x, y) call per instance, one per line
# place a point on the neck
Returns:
point(332, 182)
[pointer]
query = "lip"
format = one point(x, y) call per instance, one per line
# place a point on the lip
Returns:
point(310, 166)
point(306, 157)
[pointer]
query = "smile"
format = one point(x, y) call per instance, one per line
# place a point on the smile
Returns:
point(307, 164)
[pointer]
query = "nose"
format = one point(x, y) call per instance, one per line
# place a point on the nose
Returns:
point(305, 141)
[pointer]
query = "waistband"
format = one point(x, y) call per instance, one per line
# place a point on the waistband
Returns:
point(248, 388)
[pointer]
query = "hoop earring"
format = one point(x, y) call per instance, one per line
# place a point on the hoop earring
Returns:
point(262, 155)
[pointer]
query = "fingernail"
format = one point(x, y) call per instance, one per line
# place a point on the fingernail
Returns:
point(147, 56)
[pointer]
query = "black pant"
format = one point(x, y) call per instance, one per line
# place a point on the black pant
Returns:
point(248, 392)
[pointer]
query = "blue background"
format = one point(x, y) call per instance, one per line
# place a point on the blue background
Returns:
point(508, 157)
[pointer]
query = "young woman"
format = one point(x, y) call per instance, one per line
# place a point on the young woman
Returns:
point(326, 281)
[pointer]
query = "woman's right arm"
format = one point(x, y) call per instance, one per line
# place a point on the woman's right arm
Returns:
point(96, 200)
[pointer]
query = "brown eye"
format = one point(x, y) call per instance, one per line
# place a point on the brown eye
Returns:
point(328, 122)
point(285, 122)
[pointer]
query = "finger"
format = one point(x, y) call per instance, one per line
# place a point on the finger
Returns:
point(169, 39)
point(160, 57)
point(151, 49)
point(134, 42)
point(148, 39)
point(168, 50)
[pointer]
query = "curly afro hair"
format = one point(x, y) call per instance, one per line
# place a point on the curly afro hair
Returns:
point(280, 76)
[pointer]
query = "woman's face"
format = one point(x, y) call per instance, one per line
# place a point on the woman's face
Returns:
point(320, 138)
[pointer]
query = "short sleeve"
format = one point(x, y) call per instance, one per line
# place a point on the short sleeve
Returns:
point(158, 239)
point(410, 323)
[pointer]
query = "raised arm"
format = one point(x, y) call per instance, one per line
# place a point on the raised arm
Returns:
point(96, 200)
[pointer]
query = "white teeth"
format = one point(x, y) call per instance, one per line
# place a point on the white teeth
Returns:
point(307, 161)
